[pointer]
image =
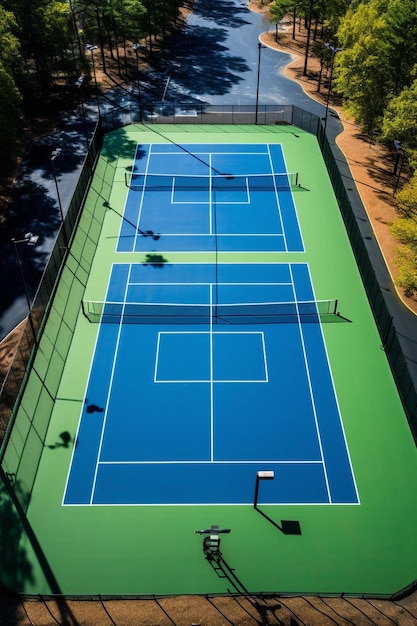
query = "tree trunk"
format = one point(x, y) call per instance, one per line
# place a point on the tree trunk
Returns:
point(307, 43)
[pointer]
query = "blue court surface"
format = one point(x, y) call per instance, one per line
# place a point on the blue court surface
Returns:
point(210, 197)
point(187, 410)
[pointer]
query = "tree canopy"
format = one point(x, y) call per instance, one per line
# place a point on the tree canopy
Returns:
point(42, 44)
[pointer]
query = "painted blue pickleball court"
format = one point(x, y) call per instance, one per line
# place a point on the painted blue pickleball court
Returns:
point(188, 412)
point(210, 197)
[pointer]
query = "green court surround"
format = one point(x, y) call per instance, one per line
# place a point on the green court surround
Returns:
point(368, 548)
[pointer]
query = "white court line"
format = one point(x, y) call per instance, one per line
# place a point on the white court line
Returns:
point(208, 234)
point(335, 397)
point(277, 200)
point(310, 386)
point(194, 202)
point(209, 154)
point(187, 153)
point(265, 359)
point(202, 284)
point(212, 218)
point(83, 404)
point(142, 196)
point(125, 204)
point(215, 332)
point(155, 371)
point(213, 504)
point(209, 462)
point(211, 379)
point(109, 390)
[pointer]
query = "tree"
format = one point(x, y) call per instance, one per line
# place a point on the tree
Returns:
point(401, 36)
point(406, 199)
point(9, 43)
point(44, 36)
point(379, 41)
point(333, 13)
point(310, 9)
point(362, 72)
point(10, 101)
point(278, 9)
point(325, 56)
point(404, 230)
point(400, 122)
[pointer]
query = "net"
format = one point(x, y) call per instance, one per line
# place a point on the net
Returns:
point(241, 313)
point(214, 182)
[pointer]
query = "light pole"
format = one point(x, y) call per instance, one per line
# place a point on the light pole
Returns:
point(55, 153)
point(334, 51)
point(90, 48)
point(31, 240)
point(136, 47)
point(79, 83)
point(260, 46)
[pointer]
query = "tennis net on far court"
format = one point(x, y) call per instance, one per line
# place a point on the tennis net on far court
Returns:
point(240, 313)
point(211, 182)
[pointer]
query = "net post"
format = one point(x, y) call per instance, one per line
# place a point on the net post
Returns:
point(83, 310)
point(263, 475)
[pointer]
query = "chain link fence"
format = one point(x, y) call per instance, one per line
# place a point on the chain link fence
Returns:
point(23, 424)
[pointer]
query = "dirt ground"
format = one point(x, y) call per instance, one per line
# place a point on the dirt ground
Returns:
point(209, 611)
point(371, 167)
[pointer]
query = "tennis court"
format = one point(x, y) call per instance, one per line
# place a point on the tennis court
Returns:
point(185, 414)
point(222, 330)
point(210, 197)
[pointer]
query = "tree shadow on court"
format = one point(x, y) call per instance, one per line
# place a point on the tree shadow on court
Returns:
point(93, 408)
point(155, 260)
point(121, 145)
point(65, 440)
point(17, 571)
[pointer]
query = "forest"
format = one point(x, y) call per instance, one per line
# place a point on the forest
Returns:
point(371, 46)
point(43, 50)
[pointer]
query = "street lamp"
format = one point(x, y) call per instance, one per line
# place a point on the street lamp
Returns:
point(79, 83)
point(55, 153)
point(90, 48)
point(136, 47)
point(30, 239)
point(260, 46)
point(334, 51)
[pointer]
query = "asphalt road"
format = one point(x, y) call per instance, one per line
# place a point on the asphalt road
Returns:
point(218, 60)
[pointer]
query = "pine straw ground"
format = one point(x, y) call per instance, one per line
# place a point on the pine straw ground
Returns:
point(210, 611)
point(371, 166)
